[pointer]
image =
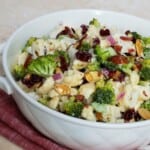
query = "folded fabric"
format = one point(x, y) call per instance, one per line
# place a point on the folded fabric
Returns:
point(17, 129)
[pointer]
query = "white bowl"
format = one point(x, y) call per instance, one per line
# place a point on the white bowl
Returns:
point(72, 132)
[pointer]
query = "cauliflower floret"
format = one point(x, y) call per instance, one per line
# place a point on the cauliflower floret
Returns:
point(53, 93)
point(22, 58)
point(87, 89)
point(111, 114)
point(73, 78)
point(54, 102)
point(40, 47)
point(104, 43)
point(46, 87)
point(134, 78)
point(88, 113)
point(77, 64)
point(74, 91)
point(134, 96)
point(93, 31)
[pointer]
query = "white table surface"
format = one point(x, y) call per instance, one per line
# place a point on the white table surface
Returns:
point(14, 13)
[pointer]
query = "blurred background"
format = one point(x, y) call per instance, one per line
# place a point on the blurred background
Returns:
point(14, 13)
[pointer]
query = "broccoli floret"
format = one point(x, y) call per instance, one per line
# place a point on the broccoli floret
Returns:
point(73, 108)
point(99, 107)
point(85, 46)
point(100, 83)
point(18, 72)
point(103, 54)
point(145, 71)
point(109, 65)
point(43, 101)
point(146, 40)
point(126, 68)
point(43, 66)
point(104, 95)
point(146, 105)
point(136, 35)
point(94, 66)
point(146, 53)
point(94, 22)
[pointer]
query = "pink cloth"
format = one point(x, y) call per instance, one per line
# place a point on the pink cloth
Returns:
point(17, 129)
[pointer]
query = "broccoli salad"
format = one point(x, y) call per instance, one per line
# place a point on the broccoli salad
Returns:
point(91, 72)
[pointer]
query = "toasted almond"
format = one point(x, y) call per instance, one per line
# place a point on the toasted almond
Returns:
point(145, 114)
point(62, 89)
point(92, 76)
point(139, 47)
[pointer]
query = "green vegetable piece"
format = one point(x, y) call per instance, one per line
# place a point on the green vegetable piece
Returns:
point(29, 43)
point(43, 101)
point(126, 68)
point(95, 22)
point(136, 35)
point(100, 83)
point(104, 95)
point(73, 108)
point(147, 53)
point(18, 72)
point(85, 46)
point(99, 107)
point(43, 66)
point(146, 105)
point(103, 54)
point(146, 40)
point(110, 65)
point(94, 66)
point(145, 73)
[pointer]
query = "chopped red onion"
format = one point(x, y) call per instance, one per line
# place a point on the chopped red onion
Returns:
point(57, 76)
point(121, 95)
point(111, 40)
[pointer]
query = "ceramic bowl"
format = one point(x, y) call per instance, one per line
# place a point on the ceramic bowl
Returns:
point(72, 132)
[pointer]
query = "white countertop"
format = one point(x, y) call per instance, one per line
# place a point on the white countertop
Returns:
point(14, 13)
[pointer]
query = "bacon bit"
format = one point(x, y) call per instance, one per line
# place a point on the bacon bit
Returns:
point(117, 48)
point(125, 38)
point(79, 97)
point(119, 59)
point(131, 50)
point(117, 75)
point(127, 32)
point(99, 116)
point(137, 66)
point(28, 60)
point(63, 63)
point(139, 47)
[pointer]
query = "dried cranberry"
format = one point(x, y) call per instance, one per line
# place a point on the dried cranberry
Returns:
point(66, 31)
point(128, 115)
point(63, 63)
point(96, 41)
point(84, 29)
point(83, 56)
point(104, 32)
point(127, 32)
point(31, 80)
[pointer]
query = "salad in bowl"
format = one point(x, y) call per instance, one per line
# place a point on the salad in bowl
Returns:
point(92, 72)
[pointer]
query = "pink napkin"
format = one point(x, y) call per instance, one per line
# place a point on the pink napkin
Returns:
point(17, 129)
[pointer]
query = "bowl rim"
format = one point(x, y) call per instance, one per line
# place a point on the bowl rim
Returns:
point(57, 114)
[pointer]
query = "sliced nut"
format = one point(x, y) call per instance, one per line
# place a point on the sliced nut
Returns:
point(92, 76)
point(62, 89)
point(145, 114)
point(139, 47)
